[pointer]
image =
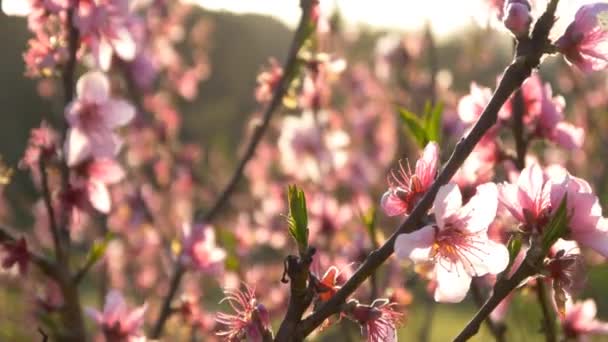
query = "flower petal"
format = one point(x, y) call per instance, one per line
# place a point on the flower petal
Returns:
point(480, 211)
point(447, 202)
point(77, 146)
point(117, 113)
point(452, 283)
point(392, 204)
point(93, 87)
point(415, 245)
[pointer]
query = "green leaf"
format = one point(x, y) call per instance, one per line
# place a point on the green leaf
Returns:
point(514, 247)
point(432, 117)
point(298, 217)
point(97, 251)
point(415, 126)
point(557, 227)
point(369, 219)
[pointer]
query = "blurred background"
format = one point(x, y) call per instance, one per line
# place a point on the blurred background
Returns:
point(245, 34)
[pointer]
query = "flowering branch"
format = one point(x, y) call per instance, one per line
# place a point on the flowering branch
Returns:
point(44, 265)
point(527, 58)
point(289, 68)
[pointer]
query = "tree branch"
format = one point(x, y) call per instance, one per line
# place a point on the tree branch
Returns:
point(528, 57)
point(548, 316)
point(289, 70)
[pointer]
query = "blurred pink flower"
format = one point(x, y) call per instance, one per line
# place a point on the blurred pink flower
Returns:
point(41, 144)
point(92, 117)
point(586, 224)
point(248, 319)
point(528, 200)
point(458, 244)
point(103, 26)
point(517, 17)
point(585, 42)
point(472, 105)
point(116, 321)
point(378, 321)
point(407, 187)
point(95, 175)
point(268, 80)
point(15, 252)
point(200, 250)
point(580, 322)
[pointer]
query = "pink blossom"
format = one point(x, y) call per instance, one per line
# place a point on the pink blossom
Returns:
point(94, 176)
point(528, 200)
point(585, 42)
point(458, 244)
point(16, 253)
point(586, 224)
point(92, 117)
point(378, 321)
point(517, 17)
point(248, 319)
point(44, 56)
point(103, 26)
point(200, 250)
point(407, 187)
point(580, 321)
point(116, 321)
point(309, 148)
point(41, 144)
point(268, 80)
point(472, 105)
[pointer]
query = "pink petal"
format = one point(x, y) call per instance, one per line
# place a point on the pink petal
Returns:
point(117, 113)
point(453, 282)
point(509, 199)
point(105, 170)
point(115, 307)
point(531, 181)
point(134, 321)
point(426, 166)
point(99, 196)
point(392, 204)
point(77, 146)
point(93, 87)
point(568, 136)
point(594, 239)
point(447, 202)
point(480, 211)
point(416, 245)
point(105, 144)
point(20, 8)
point(486, 256)
point(104, 54)
point(94, 314)
point(123, 44)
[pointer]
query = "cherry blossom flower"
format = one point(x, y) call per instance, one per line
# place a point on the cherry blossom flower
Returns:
point(200, 250)
point(580, 321)
point(103, 25)
point(16, 252)
point(407, 187)
point(472, 105)
point(378, 321)
point(458, 244)
point(42, 143)
point(309, 148)
point(92, 117)
point(517, 17)
point(586, 224)
point(585, 42)
point(528, 200)
point(94, 176)
point(250, 321)
point(117, 322)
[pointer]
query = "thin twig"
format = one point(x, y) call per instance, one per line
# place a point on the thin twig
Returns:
point(497, 329)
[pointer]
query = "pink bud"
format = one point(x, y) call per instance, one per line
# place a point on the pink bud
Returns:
point(517, 18)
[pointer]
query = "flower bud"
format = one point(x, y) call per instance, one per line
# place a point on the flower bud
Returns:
point(517, 17)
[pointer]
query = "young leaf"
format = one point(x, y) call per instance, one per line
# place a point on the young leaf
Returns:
point(298, 217)
point(432, 122)
point(369, 219)
point(557, 227)
point(97, 251)
point(415, 125)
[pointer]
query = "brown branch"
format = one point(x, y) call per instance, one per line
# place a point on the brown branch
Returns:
point(42, 263)
point(502, 288)
point(528, 57)
point(497, 329)
point(289, 69)
point(301, 294)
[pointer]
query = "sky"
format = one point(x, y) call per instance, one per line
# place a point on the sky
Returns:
point(445, 16)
